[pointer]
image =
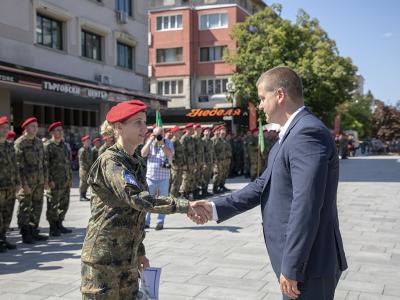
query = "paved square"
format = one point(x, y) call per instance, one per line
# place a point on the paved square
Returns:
point(229, 261)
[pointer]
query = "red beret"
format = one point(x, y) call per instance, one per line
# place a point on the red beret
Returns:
point(154, 125)
point(197, 125)
point(54, 125)
point(106, 138)
point(175, 129)
point(11, 135)
point(254, 130)
point(216, 128)
point(28, 121)
point(85, 138)
point(185, 132)
point(189, 125)
point(207, 128)
point(96, 140)
point(167, 130)
point(125, 110)
point(3, 120)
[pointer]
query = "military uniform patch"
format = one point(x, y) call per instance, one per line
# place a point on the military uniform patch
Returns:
point(129, 178)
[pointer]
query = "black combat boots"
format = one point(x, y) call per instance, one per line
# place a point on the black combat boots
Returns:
point(62, 228)
point(26, 233)
point(54, 230)
point(37, 236)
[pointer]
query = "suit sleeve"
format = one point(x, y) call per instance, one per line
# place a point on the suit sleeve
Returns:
point(308, 159)
point(240, 201)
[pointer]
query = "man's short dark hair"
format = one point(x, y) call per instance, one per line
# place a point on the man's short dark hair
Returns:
point(285, 78)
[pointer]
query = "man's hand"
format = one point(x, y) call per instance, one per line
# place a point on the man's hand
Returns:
point(143, 263)
point(200, 212)
point(289, 287)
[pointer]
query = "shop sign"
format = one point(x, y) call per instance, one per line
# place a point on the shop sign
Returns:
point(215, 112)
point(74, 90)
point(7, 77)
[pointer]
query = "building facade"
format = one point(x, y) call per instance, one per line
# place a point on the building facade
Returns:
point(71, 61)
point(187, 43)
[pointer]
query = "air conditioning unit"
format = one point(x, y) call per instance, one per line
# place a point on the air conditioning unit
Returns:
point(103, 79)
point(230, 86)
point(122, 17)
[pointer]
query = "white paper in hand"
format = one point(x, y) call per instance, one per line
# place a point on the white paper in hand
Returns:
point(150, 281)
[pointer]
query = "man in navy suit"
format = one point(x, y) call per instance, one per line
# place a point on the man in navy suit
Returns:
point(297, 194)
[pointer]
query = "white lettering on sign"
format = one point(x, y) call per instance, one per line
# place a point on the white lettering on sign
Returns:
point(6, 78)
point(96, 94)
point(62, 88)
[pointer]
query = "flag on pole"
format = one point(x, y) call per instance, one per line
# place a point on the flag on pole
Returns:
point(260, 136)
point(158, 119)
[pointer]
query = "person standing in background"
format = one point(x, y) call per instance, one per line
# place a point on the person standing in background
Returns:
point(85, 162)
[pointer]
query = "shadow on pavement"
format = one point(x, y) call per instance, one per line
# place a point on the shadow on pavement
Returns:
point(370, 170)
point(30, 257)
point(234, 229)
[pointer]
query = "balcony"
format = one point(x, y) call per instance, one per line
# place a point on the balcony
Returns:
point(252, 6)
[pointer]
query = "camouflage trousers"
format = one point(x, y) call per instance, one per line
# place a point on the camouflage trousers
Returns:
point(253, 167)
point(226, 170)
point(83, 185)
point(196, 173)
point(106, 282)
point(218, 173)
point(206, 175)
point(246, 164)
point(57, 204)
point(7, 202)
point(187, 180)
point(30, 206)
point(176, 180)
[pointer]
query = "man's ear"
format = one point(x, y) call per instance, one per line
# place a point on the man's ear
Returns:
point(280, 94)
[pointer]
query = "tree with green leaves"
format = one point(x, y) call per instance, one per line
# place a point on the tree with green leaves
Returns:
point(265, 40)
point(386, 122)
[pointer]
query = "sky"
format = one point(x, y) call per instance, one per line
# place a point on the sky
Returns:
point(368, 31)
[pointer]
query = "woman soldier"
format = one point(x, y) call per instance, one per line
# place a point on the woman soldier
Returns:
point(113, 249)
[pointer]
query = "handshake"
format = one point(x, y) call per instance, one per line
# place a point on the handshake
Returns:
point(200, 212)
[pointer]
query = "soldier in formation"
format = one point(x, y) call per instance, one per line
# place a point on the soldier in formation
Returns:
point(10, 183)
point(85, 162)
point(60, 179)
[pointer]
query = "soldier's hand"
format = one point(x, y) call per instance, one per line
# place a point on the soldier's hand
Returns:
point(200, 212)
point(143, 263)
point(27, 189)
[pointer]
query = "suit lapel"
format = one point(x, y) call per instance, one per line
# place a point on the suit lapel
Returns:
point(275, 149)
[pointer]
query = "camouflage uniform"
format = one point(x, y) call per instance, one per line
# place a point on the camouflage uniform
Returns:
point(9, 180)
point(114, 236)
point(33, 173)
point(187, 174)
point(177, 167)
point(219, 163)
point(237, 157)
point(61, 174)
point(85, 162)
point(103, 148)
point(227, 152)
point(269, 142)
point(199, 165)
point(95, 153)
point(209, 155)
point(252, 147)
point(246, 156)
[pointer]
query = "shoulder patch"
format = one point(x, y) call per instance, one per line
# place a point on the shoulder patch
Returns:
point(129, 178)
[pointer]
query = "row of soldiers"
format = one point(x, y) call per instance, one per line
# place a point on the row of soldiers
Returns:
point(31, 169)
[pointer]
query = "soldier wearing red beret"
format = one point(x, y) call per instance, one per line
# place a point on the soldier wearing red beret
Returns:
point(113, 249)
point(60, 179)
point(34, 179)
point(96, 147)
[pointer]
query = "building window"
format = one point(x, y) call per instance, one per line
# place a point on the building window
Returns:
point(212, 53)
point(91, 45)
point(124, 56)
point(211, 21)
point(170, 87)
point(126, 6)
point(169, 55)
point(169, 22)
point(213, 86)
point(48, 32)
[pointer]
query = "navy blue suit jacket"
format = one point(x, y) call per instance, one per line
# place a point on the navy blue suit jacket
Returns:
point(297, 194)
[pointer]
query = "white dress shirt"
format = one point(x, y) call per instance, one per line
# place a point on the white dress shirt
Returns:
point(281, 135)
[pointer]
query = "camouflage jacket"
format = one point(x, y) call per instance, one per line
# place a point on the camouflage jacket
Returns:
point(58, 162)
point(208, 151)
point(219, 149)
point(199, 150)
point(119, 204)
point(227, 149)
point(85, 159)
point(95, 153)
point(31, 161)
point(252, 146)
point(189, 149)
point(179, 155)
point(103, 148)
point(9, 174)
